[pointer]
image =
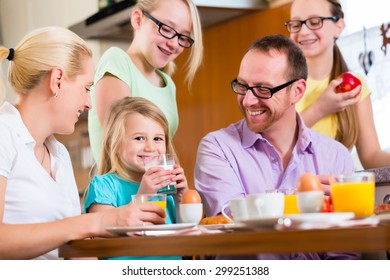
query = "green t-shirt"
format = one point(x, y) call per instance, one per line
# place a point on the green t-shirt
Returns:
point(117, 62)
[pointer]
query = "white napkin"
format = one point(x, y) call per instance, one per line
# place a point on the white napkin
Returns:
point(192, 231)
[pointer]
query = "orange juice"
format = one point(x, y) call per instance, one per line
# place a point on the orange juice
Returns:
point(290, 204)
point(158, 199)
point(357, 197)
point(162, 204)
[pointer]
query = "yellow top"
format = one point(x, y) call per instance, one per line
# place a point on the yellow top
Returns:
point(314, 88)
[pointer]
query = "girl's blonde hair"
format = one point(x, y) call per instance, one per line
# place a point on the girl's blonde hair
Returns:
point(348, 129)
point(115, 129)
point(195, 58)
point(42, 50)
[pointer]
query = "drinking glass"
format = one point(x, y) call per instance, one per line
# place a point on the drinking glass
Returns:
point(165, 161)
point(354, 193)
point(158, 199)
point(290, 201)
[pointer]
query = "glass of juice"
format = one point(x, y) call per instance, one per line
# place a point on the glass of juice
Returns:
point(290, 201)
point(159, 199)
point(354, 193)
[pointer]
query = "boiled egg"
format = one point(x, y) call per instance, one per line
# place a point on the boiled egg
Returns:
point(309, 182)
point(191, 196)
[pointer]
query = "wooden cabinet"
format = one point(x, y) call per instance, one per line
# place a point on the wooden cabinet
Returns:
point(80, 152)
point(210, 104)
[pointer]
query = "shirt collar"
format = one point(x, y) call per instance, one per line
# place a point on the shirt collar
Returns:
point(249, 138)
point(13, 118)
point(304, 143)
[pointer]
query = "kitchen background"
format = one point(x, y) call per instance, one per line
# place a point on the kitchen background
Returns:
point(210, 104)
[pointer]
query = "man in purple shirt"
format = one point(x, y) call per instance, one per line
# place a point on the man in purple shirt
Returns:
point(271, 147)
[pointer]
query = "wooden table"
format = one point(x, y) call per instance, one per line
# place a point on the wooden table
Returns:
point(234, 243)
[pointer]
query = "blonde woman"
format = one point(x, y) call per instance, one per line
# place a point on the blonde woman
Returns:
point(315, 25)
point(51, 72)
point(162, 30)
point(135, 130)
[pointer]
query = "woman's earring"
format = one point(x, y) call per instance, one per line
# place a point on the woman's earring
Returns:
point(56, 94)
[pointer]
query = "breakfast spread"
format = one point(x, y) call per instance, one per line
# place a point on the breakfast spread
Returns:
point(214, 220)
point(310, 194)
point(382, 208)
point(350, 81)
point(309, 182)
point(191, 196)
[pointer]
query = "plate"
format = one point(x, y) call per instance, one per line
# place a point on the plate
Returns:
point(324, 221)
point(323, 218)
point(384, 218)
point(260, 222)
point(163, 227)
point(224, 227)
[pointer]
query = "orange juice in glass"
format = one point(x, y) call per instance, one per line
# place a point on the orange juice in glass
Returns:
point(290, 201)
point(291, 204)
point(354, 193)
point(158, 199)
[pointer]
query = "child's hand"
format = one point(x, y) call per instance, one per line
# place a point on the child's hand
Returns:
point(155, 178)
point(181, 181)
point(331, 102)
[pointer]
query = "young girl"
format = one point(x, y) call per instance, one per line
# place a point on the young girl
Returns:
point(134, 130)
point(162, 30)
point(315, 26)
point(51, 72)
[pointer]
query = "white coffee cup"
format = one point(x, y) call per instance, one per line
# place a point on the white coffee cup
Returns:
point(190, 212)
point(265, 205)
point(238, 208)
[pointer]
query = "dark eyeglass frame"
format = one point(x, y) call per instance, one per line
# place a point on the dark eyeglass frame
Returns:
point(301, 22)
point(272, 91)
point(161, 25)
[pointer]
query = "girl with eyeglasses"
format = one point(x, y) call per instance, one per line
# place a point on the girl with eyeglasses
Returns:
point(161, 31)
point(315, 26)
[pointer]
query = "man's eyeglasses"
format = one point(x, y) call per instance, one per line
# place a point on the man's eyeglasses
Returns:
point(258, 91)
point(313, 23)
point(170, 33)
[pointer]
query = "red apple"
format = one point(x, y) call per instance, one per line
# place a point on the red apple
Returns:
point(350, 81)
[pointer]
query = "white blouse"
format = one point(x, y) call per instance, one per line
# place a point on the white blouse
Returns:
point(32, 195)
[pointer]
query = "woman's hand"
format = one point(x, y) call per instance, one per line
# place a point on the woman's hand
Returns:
point(154, 179)
point(181, 181)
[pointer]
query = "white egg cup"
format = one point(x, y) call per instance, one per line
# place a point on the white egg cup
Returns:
point(310, 201)
point(190, 212)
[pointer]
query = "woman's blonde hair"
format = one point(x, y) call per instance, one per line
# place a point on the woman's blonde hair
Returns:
point(42, 50)
point(196, 55)
point(115, 129)
point(348, 129)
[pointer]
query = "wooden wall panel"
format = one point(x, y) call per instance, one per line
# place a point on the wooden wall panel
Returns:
point(210, 104)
